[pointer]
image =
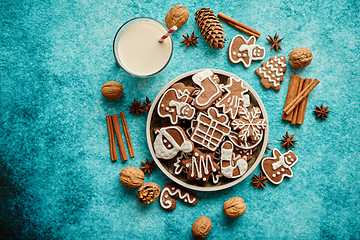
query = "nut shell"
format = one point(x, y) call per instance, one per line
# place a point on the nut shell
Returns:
point(201, 227)
point(300, 57)
point(177, 15)
point(112, 90)
point(234, 207)
point(132, 177)
point(148, 192)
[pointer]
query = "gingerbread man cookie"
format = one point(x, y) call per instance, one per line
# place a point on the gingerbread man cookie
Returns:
point(234, 97)
point(170, 140)
point(245, 51)
point(171, 190)
point(271, 73)
point(210, 91)
point(211, 128)
point(279, 165)
point(231, 167)
point(200, 165)
point(175, 106)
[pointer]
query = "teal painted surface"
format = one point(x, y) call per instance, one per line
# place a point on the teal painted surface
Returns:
point(57, 180)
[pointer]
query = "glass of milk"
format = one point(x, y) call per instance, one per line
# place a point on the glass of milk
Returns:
point(137, 49)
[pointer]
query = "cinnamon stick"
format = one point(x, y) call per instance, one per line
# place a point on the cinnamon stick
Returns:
point(303, 94)
point(242, 29)
point(111, 138)
point(302, 105)
point(127, 135)
point(119, 139)
point(291, 94)
point(295, 112)
point(235, 22)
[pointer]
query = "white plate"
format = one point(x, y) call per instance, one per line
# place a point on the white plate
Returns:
point(166, 166)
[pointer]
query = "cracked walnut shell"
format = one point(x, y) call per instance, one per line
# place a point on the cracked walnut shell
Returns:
point(132, 177)
point(177, 15)
point(234, 207)
point(201, 227)
point(148, 192)
point(300, 57)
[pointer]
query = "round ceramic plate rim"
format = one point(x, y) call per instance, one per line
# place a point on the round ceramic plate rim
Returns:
point(178, 181)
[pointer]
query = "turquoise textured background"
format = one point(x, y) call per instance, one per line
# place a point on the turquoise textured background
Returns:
point(57, 180)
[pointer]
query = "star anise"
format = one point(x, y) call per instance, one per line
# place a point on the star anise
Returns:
point(147, 166)
point(321, 112)
point(267, 147)
point(287, 141)
point(136, 108)
point(189, 41)
point(259, 181)
point(275, 42)
point(147, 105)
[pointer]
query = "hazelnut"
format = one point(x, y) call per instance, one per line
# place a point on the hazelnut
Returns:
point(300, 57)
point(112, 90)
point(177, 15)
point(201, 227)
point(132, 177)
point(234, 207)
point(148, 192)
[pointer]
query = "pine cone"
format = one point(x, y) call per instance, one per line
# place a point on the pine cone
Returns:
point(210, 28)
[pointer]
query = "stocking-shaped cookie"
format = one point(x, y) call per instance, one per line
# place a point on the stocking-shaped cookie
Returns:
point(200, 165)
point(279, 165)
point(210, 91)
point(271, 73)
point(231, 167)
point(245, 51)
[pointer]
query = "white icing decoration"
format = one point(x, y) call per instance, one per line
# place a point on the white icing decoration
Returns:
point(203, 164)
point(167, 203)
point(274, 69)
point(167, 108)
point(281, 160)
point(228, 156)
point(210, 141)
point(181, 109)
point(198, 80)
point(247, 48)
point(162, 152)
point(230, 103)
point(239, 54)
point(244, 55)
point(234, 53)
point(162, 105)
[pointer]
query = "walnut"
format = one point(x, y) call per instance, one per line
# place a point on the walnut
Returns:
point(300, 57)
point(177, 15)
point(112, 90)
point(132, 177)
point(201, 227)
point(148, 192)
point(234, 207)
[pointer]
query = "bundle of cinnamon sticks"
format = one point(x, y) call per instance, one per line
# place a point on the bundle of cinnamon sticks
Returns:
point(296, 98)
point(113, 126)
point(238, 25)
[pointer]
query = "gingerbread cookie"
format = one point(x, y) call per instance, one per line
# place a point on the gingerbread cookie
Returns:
point(245, 51)
point(211, 128)
point(271, 73)
point(200, 165)
point(234, 97)
point(210, 91)
point(175, 106)
point(279, 165)
point(182, 89)
point(170, 140)
point(250, 124)
point(244, 153)
point(178, 167)
point(171, 190)
point(231, 167)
